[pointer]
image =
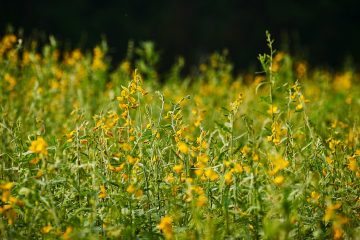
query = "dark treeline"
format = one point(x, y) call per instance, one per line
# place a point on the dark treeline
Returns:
point(326, 32)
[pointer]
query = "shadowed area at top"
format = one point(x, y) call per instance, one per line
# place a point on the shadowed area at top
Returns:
point(324, 32)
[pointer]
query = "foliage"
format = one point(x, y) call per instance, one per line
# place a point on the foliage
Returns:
point(89, 153)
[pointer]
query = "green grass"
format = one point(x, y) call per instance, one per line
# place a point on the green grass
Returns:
point(88, 153)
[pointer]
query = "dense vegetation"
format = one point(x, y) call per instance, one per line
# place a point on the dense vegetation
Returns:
point(89, 153)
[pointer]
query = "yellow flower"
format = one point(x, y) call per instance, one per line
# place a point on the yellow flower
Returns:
point(203, 158)
point(329, 160)
point(126, 147)
point(337, 232)
point(348, 100)
point(8, 41)
point(272, 109)
point(301, 69)
point(66, 235)
point(189, 180)
point(342, 82)
point(236, 104)
point(70, 136)
point(199, 190)
point(329, 212)
point(16, 201)
point(39, 174)
point(299, 107)
point(76, 54)
point(46, 229)
point(228, 178)
point(279, 56)
point(98, 63)
point(11, 216)
point(183, 148)
point(131, 159)
point(352, 165)
point(39, 146)
point(169, 178)
point(124, 177)
point(116, 169)
point(6, 186)
point(130, 188)
point(247, 168)
point(165, 226)
point(333, 144)
point(237, 168)
point(245, 150)
point(227, 163)
point(337, 226)
point(178, 168)
point(199, 171)
point(5, 196)
point(276, 133)
point(315, 195)
point(11, 81)
point(139, 193)
point(125, 66)
point(279, 164)
point(102, 193)
point(201, 201)
point(279, 180)
point(211, 174)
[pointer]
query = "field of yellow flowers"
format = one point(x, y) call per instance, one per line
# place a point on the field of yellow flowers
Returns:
point(93, 153)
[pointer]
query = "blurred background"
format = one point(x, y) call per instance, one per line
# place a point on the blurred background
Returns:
point(325, 32)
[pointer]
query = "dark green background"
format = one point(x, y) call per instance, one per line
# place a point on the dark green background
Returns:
point(326, 32)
